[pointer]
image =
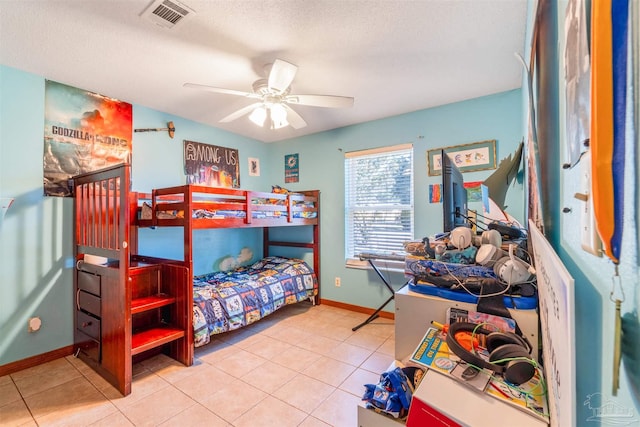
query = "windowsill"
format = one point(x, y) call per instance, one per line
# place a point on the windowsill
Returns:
point(386, 265)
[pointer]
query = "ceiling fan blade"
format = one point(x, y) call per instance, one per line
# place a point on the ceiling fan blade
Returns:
point(295, 120)
point(220, 90)
point(281, 75)
point(241, 112)
point(329, 101)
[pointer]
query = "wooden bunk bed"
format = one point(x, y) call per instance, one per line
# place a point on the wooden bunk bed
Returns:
point(130, 306)
point(194, 207)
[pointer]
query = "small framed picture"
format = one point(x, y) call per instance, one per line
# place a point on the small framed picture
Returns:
point(291, 168)
point(476, 156)
point(254, 166)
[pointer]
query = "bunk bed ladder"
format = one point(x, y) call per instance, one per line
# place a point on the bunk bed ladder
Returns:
point(314, 245)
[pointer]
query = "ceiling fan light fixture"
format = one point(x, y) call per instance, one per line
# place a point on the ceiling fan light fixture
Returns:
point(278, 116)
point(258, 116)
point(271, 109)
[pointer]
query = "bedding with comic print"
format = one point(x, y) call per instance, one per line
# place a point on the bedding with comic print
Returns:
point(225, 301)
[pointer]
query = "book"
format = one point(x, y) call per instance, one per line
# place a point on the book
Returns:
point(531, 396)
point(433, 353)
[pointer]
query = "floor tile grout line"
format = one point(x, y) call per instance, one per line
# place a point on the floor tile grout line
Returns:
point(247, 410)
point(338, 337)
point(160, 422)
point(13, 381)
point(82, 376)
point(87, 379)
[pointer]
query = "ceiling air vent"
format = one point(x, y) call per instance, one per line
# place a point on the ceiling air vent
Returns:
point(167, 13)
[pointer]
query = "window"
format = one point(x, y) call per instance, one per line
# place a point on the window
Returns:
point(378, 200)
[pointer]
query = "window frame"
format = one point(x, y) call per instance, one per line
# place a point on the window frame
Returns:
point(352, 259)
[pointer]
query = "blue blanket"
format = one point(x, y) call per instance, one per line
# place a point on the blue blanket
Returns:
point(225, 301)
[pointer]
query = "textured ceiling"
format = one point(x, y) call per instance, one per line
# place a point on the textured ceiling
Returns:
point(393, 57)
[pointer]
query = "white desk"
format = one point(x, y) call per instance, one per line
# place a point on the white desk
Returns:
point(370, 418)
point(438, 397)
point(415, 311)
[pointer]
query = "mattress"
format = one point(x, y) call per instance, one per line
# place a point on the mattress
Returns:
point(225, 301)
point(146, 212)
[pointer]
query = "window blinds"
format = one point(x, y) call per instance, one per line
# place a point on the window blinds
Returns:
point(378, 200)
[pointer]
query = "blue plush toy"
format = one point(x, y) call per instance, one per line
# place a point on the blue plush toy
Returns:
point(392, 395)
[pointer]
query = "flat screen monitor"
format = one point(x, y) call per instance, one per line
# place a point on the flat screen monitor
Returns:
point(454, 195)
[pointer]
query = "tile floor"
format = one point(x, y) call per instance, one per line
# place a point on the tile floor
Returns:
point(301, 366)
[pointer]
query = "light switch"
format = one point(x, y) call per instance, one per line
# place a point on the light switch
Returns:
point(590, 240)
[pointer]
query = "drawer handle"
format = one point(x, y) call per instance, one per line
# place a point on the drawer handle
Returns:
point(78, 299)
point(85, 324)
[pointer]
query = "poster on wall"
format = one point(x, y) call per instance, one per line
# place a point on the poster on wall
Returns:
point(254, 166)
point(435, 193)
point(474, 191)
point(83, 132)
point(210, 165)
point(291, 168)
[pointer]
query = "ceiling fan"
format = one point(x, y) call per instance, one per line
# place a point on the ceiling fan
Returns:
point(273, 98)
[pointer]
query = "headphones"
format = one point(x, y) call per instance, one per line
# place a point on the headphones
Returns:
point(490, 249)
point(488, 237)
point(461, 237)
point(513, 270)
point(488, 255)
point(508, 352)
point(491, 237)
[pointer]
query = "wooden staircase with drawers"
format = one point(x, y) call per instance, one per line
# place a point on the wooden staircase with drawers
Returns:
point(129, 307)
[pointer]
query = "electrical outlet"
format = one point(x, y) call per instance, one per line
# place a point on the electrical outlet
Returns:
point(338, 282)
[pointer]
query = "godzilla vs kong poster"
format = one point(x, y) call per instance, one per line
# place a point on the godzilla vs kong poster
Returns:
point(83, 132)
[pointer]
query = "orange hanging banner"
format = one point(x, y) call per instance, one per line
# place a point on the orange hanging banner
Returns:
point(602, 122)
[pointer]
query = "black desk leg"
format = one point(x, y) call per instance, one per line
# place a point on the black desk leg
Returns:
point(374, 315)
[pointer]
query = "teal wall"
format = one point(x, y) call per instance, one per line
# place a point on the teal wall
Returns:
point(158, 162)
point(36, 234)
point(322, 166)
point(595, 312)
point(593, 275)
point(36, 256)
